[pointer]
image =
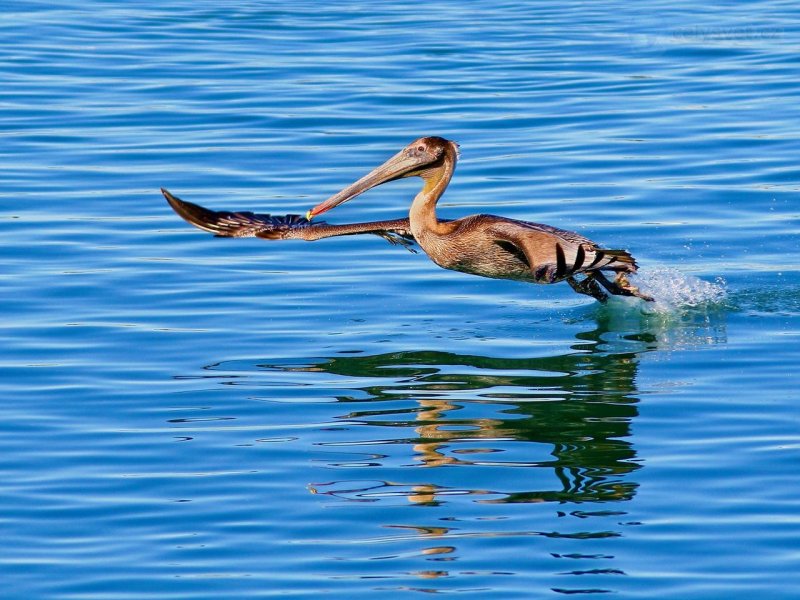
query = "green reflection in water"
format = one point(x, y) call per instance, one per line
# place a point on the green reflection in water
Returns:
point(486, 442)
point(579, 404)
point(567, 416)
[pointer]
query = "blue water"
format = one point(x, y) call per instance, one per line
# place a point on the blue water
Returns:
point(191, 417)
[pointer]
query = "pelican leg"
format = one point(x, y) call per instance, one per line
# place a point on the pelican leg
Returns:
point(589, 287)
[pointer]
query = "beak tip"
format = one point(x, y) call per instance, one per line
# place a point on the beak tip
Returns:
point(309, 215)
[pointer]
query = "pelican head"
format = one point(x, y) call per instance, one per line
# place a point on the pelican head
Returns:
point(422, 158)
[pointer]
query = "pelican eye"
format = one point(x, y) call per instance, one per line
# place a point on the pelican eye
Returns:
point(420, 148)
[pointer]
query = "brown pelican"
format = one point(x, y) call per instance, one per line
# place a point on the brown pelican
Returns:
point(484, 245)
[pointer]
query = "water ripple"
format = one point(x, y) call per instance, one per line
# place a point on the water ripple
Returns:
point(190, 417)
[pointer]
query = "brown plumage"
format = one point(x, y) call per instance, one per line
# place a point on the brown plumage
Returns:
point(485, 245)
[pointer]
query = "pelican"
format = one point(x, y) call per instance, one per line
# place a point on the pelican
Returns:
point(485, 245)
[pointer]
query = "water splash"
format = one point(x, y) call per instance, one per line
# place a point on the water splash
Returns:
point(674, 291)
point(688, 312)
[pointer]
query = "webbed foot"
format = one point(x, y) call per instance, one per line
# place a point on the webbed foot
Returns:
point(622, 282)
point(620, 286)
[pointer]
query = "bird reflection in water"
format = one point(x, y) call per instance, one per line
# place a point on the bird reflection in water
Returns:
point(541, 430)
point(579, 405)
point(491, 431)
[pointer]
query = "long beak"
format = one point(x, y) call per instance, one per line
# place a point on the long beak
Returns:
point(400, 165)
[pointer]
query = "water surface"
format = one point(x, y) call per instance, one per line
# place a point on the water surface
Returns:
point(190, 417)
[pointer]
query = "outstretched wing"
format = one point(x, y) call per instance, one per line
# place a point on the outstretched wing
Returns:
point(235, 224)
point(278, 227)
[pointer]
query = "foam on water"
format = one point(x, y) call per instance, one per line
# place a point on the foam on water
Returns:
point(675, 291)
point(688, 312)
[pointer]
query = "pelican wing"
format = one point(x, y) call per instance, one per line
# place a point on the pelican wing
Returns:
point(235, 224)
point(277, 227)
point(554, 254)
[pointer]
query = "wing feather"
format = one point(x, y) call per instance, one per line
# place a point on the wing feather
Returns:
point(278, 227)
point(235, 224)
point(556, 254)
